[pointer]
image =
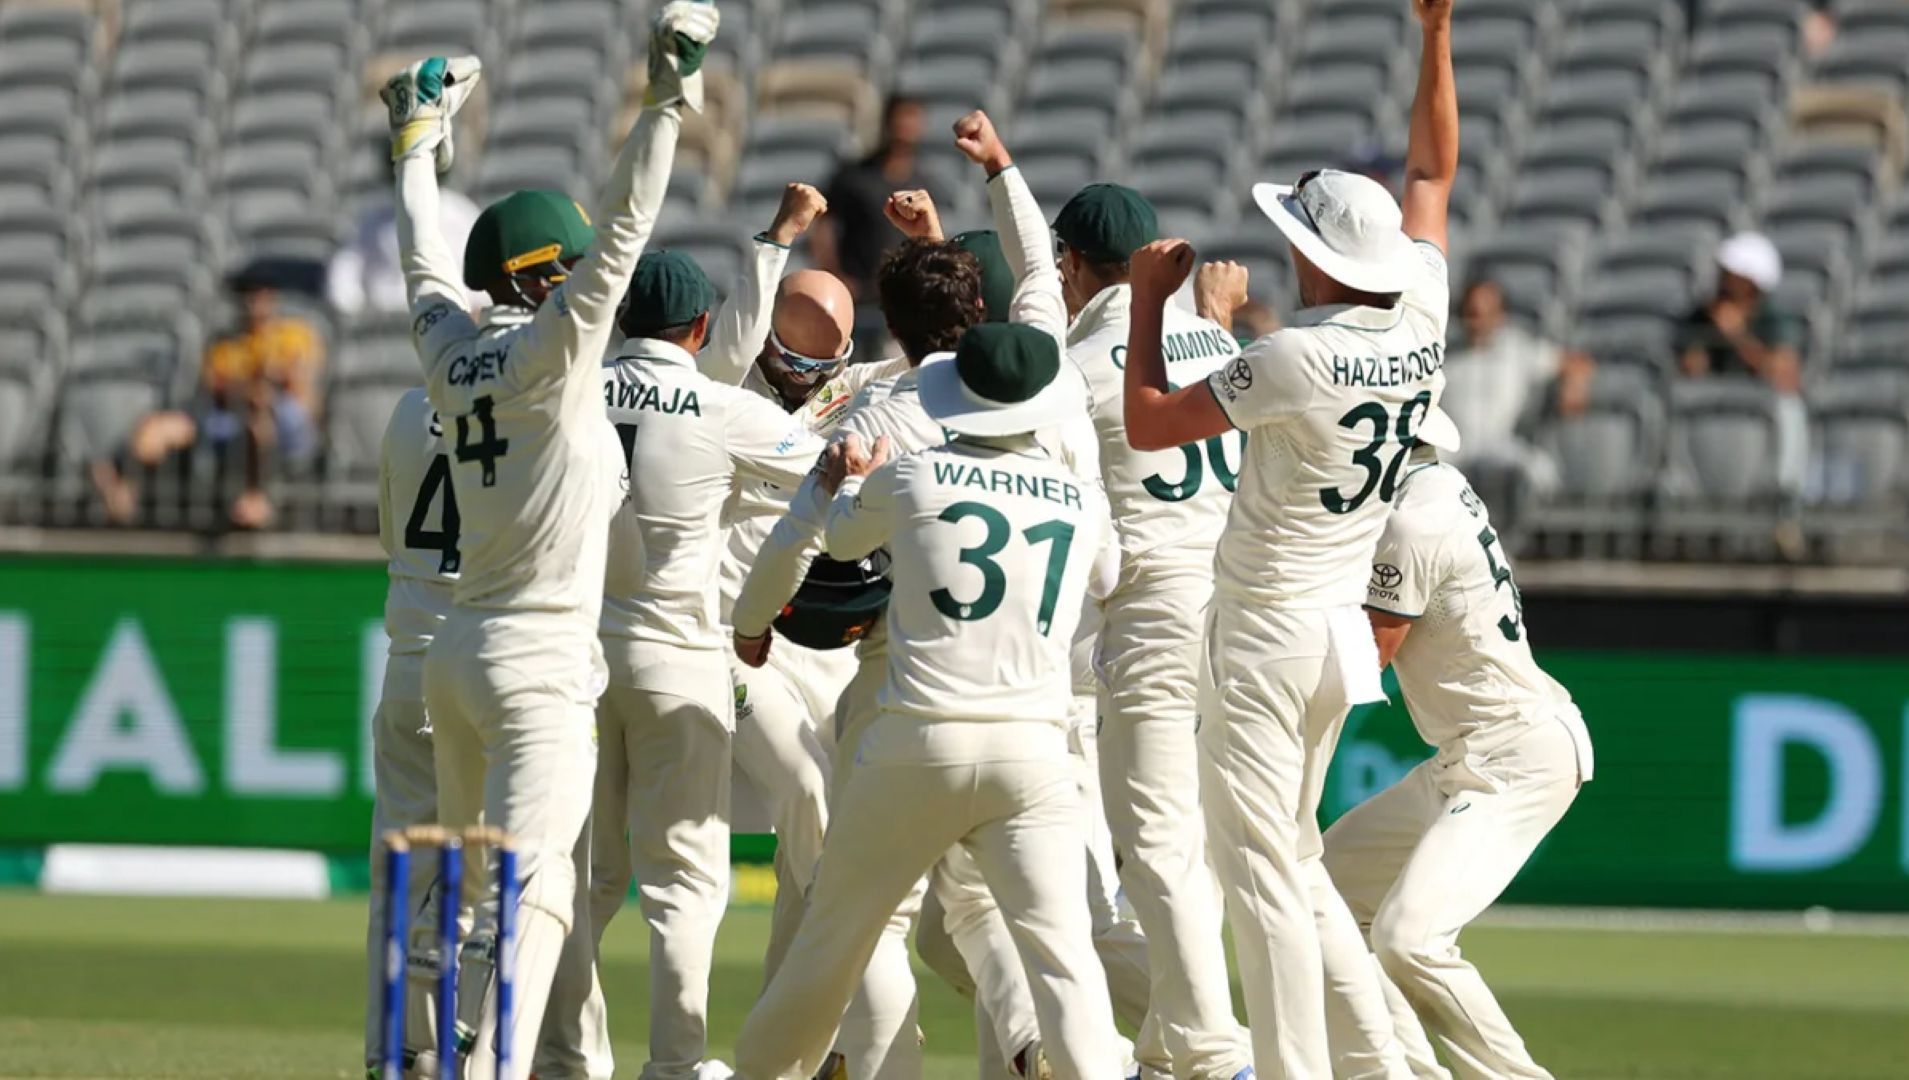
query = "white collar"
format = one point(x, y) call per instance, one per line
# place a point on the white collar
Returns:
point(1110, 305)
point(654, 350)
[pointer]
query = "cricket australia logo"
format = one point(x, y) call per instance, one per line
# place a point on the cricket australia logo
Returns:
point(1387, 576)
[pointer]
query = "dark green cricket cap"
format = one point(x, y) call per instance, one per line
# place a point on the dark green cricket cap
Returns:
point(1007, 363)
point(1107, 223)
point(997, 277)
point(668, 290)
point(523, 230)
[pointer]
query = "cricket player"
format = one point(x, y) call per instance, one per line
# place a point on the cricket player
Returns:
point(514, 672)
point(1332, 407)
point(664, 724)
point(994, 541)
point(1169, 509)
point(1423, 858)
point(785, 709)
point(418, 530)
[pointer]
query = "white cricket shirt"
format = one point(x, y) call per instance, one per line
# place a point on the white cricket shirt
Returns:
point(1330, 408)
point(1169, 506)
point(418, 528)
point(536, 466)
point(1466, 667)
point(687, 441)
point(993, 551)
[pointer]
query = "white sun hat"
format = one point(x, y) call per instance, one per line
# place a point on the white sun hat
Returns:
point(1004, 379)
point(1347, 225)
point(1752, 255)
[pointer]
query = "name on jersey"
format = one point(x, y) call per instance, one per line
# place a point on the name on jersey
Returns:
point(1002, 482)
point(480, 367)
point(639, 398)
point(1194, 345)
point(1386, 371)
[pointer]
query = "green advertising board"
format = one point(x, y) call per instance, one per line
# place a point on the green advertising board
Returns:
point(228, 703)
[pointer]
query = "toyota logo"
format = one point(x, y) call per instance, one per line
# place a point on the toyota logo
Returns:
point(1386, 576)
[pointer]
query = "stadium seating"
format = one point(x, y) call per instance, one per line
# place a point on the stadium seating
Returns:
point(148, 145)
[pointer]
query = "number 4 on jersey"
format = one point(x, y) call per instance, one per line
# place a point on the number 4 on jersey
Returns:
point(489, 447)
point(444, 540)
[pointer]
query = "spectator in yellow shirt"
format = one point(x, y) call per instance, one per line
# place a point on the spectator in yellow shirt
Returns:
point(258, 394)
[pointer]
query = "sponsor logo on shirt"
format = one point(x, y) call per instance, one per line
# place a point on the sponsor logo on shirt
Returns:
point(436, 314)
point(1387, 576)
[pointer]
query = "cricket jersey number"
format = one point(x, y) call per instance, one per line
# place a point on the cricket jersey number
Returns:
point(1165, 490)
point(627, 434)
point(444, 540)
point(1380, 476)
point(1512, 625)
point(994, 580)
point(488, 448)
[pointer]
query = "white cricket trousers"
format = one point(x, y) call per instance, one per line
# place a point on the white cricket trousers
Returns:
point(664, 774)
point(1002, 789)
point(1150, 647)
point(1271, 711)
point(405, 795)
point(779, 745)
point(1423, 858)
point(963, 938)
point(510, 699)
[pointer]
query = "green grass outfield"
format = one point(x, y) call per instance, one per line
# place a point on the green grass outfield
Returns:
point(113, 987)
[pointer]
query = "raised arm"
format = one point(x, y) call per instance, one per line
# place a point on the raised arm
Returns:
point(1431, 156)
point(781, 564)
point(423, 99)
point(1159, 417)
point(1025, 239)
point(574, 325)
point(742, 324)
point(862, 516)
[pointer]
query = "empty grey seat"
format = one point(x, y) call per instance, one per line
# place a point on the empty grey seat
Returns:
point(1233, 37)
point(1826, 200)
point(1562, 199)
point(357, 410)
point(306, 68)
point(1723, 442)
point(839, 32)
point(173, 20)
point(568, 24)
point(167, 114)
point(1319, 143)
point(1741, 100)
point(429, 27)
point(52, 24)
point(1726, 50)
point(1604, 96)
point(97, 412)
point(1215, 87)
point(23, 408)
point(1674, 248)
point(285, 22)
point(1722, 148)
point(378, 352)
point(1861, 439)
point(1810, 159)
point(1206, 141)
point(1364, 39)
point(1054, 178)
point(1872, 57)
point(29, 65)
point(1664, 17)
point(1707, 199)
point(1340, 91)
point(1534, 268)
point(1626, 47)
point(1662, 292)
point(1608, 456)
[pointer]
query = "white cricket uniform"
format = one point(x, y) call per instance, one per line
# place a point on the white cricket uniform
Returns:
point(877, 1033)
point(664, 724)
point(514, 675)
point(993, 547)
point(418, 530)
point(575, 1034)
point(1423, 858)
point(785, 710)
point(1330, 407)
point(1169, 509)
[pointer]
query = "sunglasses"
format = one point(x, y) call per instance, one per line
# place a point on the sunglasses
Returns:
point(808, 365)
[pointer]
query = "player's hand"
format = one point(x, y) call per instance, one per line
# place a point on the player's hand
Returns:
point(801, 205)
point(1433, 12)
point(1219, 290)
point(679, 43)
point(1160, 268)
point(422, 99)
point(975, 137)
point(753, 651)
point(914, 213)
point(851, 457)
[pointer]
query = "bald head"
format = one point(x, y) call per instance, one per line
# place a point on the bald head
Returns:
point(814, 314)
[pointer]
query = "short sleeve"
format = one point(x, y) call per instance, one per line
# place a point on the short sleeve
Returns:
point(1268, 384)
point(1779, 329)
point(1407, 568)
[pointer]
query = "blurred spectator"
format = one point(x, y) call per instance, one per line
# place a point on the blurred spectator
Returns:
point(851, 240)
point(365, 275)
point(1741, 333)
point(258, 394)
point(1819, 29)
point(1499, 379)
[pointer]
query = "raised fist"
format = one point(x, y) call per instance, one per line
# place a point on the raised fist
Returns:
point(801, 205)
point(914, 214)
point(1160, 268)
point(976, 138)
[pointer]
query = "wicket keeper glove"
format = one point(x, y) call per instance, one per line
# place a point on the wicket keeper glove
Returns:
point(679, 42)
point(422, 100)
